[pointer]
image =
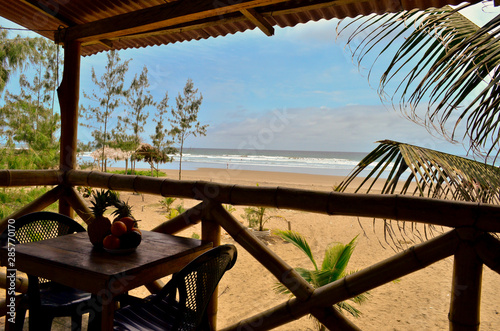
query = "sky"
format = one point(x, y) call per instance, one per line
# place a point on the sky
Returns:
point(296, 90)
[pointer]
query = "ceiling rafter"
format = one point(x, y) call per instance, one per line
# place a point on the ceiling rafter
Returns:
point(50, 13)
point(231, 18)
point(157, 17)
point(259, 21)
point(63, 21)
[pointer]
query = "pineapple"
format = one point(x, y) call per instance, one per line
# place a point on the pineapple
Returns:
point(123, 213)
point(100, 227)
point(123, 209)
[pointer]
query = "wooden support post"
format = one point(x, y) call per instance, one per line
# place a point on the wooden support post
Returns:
point(74, 199)
point(466, 289)
point(272, 262)
point(333, 320)
point(488, 250)
point(68, 94)
point(210, 231)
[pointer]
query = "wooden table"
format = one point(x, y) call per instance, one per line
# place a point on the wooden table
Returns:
point(71, 260)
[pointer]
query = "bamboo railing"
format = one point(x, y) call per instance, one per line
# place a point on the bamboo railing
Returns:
point(469, 240)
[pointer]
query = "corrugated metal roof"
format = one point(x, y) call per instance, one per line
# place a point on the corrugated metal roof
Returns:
point(47, 17)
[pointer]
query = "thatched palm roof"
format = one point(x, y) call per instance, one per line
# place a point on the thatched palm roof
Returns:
point(110, 153)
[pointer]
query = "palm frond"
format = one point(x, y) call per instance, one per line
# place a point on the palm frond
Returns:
point(337, 256)
point(298, 241)
point(427, 173)
point(309, 276)
point(443, 61)
point(346, 307)
point(335, 263)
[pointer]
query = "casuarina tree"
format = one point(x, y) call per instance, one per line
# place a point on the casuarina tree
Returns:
point(185, 118)
point(107, 100)
point(160, 137)
point(138, 99)
point(14, 54)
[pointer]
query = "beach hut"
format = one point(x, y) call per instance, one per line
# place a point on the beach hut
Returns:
point(89, 27)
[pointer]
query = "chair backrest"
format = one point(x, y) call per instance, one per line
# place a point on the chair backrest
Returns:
point(42, 225)
point(194, 285)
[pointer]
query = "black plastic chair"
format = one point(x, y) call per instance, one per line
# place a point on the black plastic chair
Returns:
point(181, 304)
point(46, 299)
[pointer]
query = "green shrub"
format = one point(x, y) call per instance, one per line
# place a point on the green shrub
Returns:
point(28, 159)
point(333, 268)
point(139, 173)
point(13, 199)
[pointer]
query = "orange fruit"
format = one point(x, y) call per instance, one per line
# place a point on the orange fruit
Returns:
point(129, 222)
point(118, 228)
point(111, 242)
point(137, 230)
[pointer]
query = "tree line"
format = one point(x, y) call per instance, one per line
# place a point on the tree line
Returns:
point(125, 133)
point(115, 113)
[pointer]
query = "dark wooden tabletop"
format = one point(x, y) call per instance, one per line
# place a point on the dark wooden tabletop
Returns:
point(73, 261)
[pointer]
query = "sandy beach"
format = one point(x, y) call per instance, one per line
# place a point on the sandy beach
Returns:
point(419, 301)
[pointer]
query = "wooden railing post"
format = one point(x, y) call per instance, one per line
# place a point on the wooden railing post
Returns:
point(68, 94)
point(210, 231)
point(466, 287)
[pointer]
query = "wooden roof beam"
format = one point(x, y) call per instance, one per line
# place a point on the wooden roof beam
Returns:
point(46, 11)
point(259, 21)
point(158, 17)
point(215, 21)
point(63, 21)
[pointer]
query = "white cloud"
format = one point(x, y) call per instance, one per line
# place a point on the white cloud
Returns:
point(350, 128)
point(310, 33)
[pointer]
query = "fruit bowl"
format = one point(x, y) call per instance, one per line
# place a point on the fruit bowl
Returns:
point(122, 240)
point(118, 237)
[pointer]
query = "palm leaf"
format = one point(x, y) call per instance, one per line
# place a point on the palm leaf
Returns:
point(427, 173)
point(434, 174)
point(308, 275)
point(337, 257)
point(298, 241)
point(344, 306)
point(335, 263)
point(445, 62)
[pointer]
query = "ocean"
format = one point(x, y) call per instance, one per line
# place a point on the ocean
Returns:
point(307, 162)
